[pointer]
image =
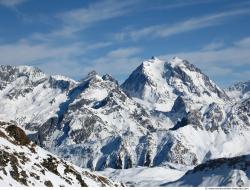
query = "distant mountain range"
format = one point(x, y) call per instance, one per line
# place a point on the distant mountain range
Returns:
point(167, 115)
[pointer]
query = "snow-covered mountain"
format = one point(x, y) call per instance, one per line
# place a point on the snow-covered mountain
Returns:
point(23, 163)
point(230, 172)
point(165, 112)
point(158, 83)
point(178, 91)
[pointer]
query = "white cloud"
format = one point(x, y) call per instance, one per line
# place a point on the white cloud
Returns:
point(163, 30)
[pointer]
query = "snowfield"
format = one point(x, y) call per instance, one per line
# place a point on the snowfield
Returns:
point(145, 176)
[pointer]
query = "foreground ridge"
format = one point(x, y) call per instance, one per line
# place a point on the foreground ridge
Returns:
point(23, 163)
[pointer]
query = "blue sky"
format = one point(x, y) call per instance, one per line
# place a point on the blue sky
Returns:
point(74, 37)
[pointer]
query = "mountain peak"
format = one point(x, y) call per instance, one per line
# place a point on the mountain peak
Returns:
point(161, 83)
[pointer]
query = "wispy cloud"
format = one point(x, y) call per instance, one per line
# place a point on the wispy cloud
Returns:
point(20, 53)
point(163, 30)
point(213, 46)
point(11, 3)
point(82, 18)
point(178, 4)
point(99, 11)
point(244, 42)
